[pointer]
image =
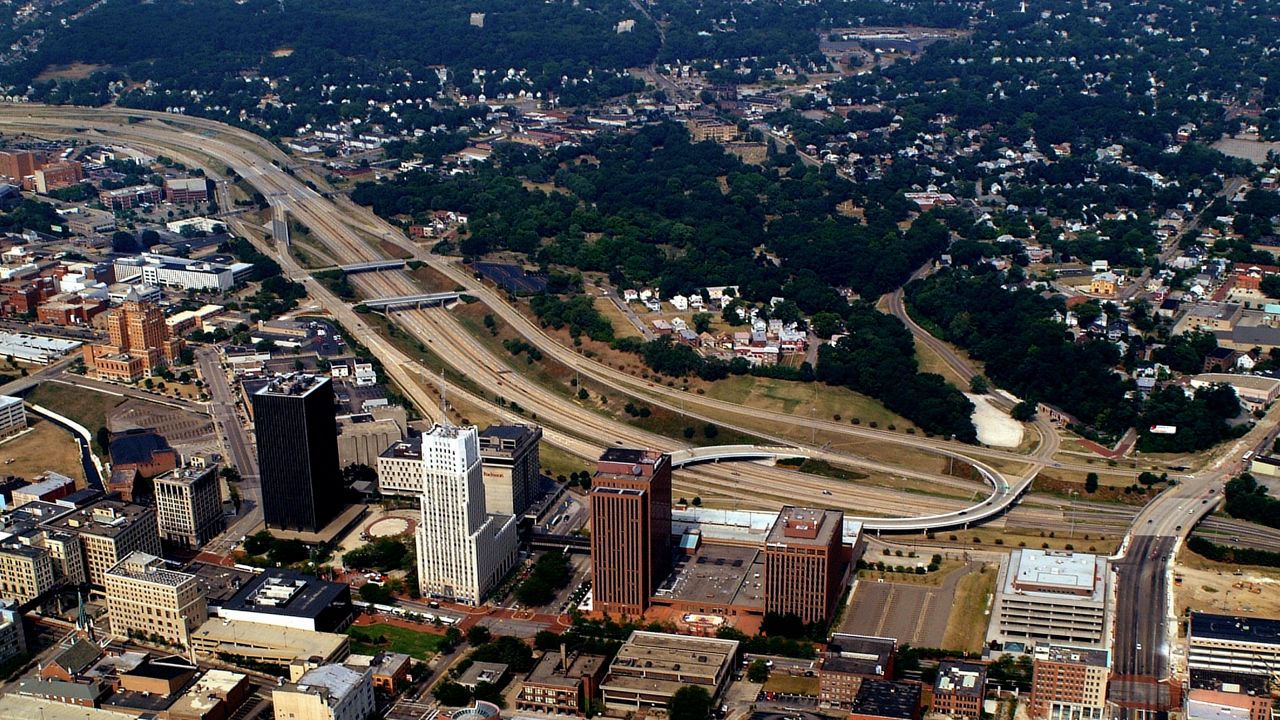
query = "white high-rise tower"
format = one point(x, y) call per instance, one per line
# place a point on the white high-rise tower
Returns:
point(462, 551)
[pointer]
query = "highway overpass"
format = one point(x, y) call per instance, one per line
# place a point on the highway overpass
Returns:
point(411, 301)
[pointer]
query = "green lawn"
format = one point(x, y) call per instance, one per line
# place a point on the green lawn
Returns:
point(368, 639)
point(85, 406)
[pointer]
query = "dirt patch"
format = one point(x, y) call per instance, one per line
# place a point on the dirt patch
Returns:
point(74, 71)
point(432, 280)
point(1207, 586)
point(44, 447)
point(995, 428)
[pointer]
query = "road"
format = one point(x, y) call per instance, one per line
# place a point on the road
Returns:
point(1140, 651)
point(240, 451)
point(350, 232)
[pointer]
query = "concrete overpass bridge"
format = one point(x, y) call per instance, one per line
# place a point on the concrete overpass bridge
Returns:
point(1003, 495)
point(372, 266)
point(400, 302)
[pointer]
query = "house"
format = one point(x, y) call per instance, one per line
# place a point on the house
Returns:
point(679, 302)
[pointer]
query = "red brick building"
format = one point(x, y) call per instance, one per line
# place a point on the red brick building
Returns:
point(630, 528)
point(805, 563)
point(959, 689)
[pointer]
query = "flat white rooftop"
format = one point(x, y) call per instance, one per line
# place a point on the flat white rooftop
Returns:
point(1054, 570)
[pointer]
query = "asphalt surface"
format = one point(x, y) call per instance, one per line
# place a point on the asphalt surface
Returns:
point(1140, 652)
point(240, 451)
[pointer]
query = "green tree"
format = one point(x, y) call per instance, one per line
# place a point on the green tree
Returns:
point(1091, 483)
point(691, 702)
point(479, 635)
point(758, 672)
point(451, 694)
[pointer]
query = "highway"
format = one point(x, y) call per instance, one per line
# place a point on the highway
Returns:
point(349, 233)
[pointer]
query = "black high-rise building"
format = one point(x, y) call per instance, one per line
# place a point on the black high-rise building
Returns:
point(297, 438)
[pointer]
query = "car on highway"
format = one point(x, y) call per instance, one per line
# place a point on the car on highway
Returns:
point(1138, 647)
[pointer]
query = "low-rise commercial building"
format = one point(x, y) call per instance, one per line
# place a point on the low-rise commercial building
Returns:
point(127, 198)
point(1213, 695)
point(269, 643)
point(886, 700)
point(328, 692)
point(186, 190)
point(147, 599)
point(650, 667)
point(1053, 596)
point(364, 436)
point(1235, 644)
point(177, 272)
point(286, 598)
point(959, 689)
point(562, 684)
point(1069, 683)
point(849, 660)
point(45, 487)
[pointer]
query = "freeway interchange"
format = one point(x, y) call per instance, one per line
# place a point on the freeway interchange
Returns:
point(351, 234)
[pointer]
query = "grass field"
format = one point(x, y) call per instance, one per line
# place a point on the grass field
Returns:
point(87, 407)
point(45, 447)
point(622, 327)
point(967, 624)
point(804, 400)
point(368, 639)
point(791, 684)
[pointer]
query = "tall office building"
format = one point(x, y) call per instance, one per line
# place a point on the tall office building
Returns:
point(805, 563)
point(297, 452)
point(138, 342)
point(146, 598)
point(630, 528)
point(509, 458)
point(26, 573)
point(189, 506)
point(463, 551)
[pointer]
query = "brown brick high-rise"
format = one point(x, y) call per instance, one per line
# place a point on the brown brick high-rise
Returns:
point(804, 563)
point(138, 343)
point(630, 528)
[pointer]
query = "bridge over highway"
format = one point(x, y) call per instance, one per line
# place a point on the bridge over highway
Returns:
point(411, 301)
point(372, 266)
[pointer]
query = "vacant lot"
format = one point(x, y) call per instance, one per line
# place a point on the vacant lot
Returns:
point(368, 639)
point(87, 407)
point(45, 447)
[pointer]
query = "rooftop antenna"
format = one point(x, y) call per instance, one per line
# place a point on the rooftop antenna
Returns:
point(444, 400)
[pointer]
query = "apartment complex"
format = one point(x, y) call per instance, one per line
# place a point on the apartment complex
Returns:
point(1054, 596)
point(650, 667)
point(1069, 683)
point(805, 563)
point(510, 463)
point(189, 506)
point(959, 689)
point(630, 528)
point(1236, 644)
point(109, 530)
point(138, 343)
point(562, 684)
point(297, 452)
point(463, 551)
point(147, 599)
point(13, 415)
